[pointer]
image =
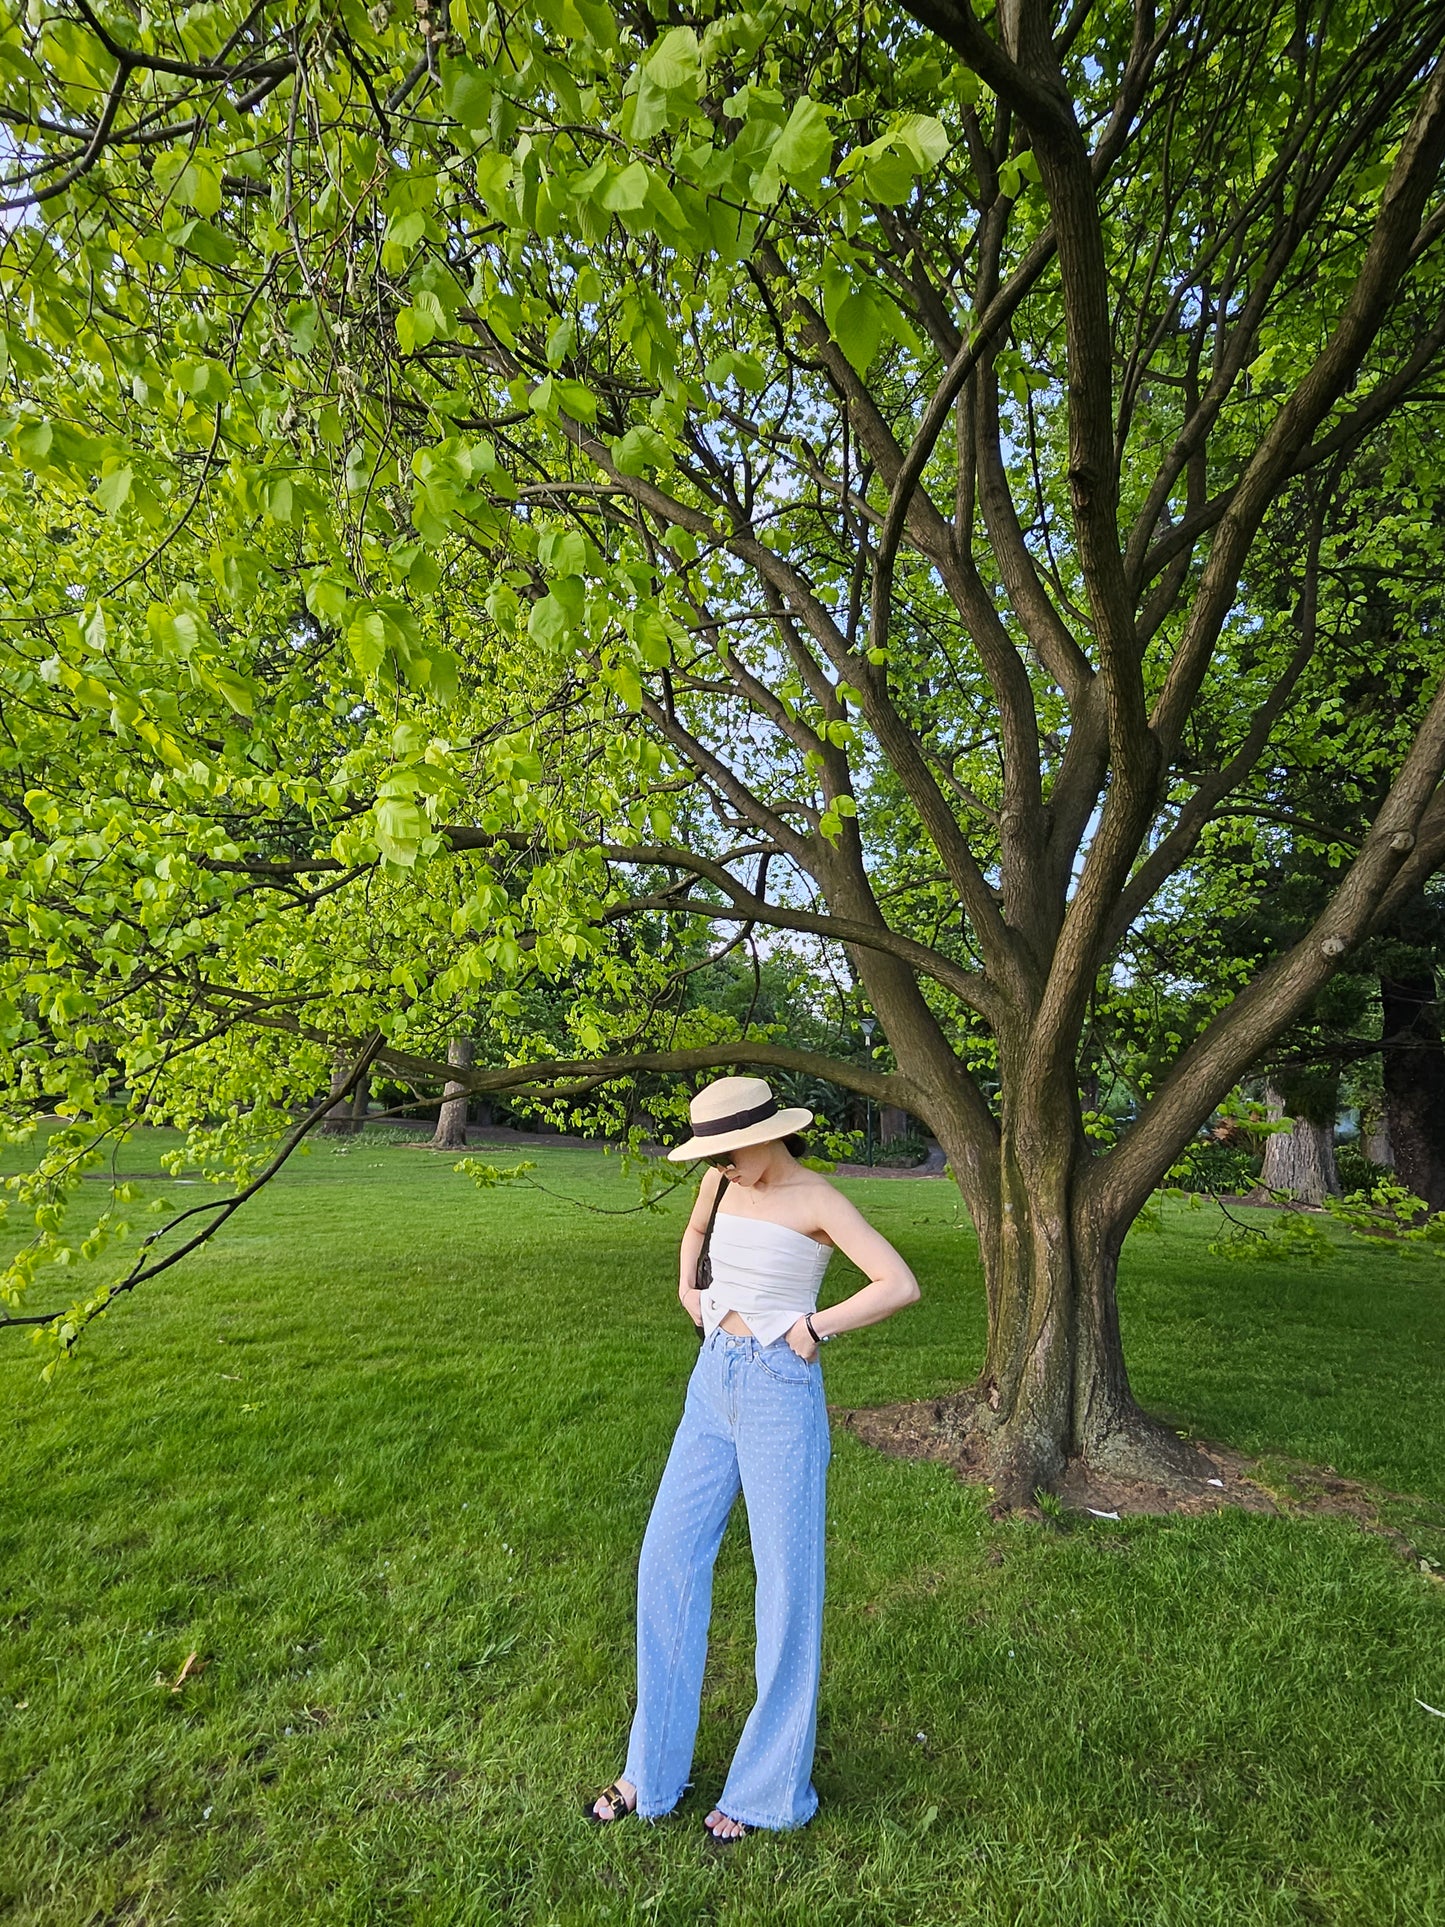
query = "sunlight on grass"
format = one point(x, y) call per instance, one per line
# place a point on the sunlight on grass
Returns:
point(382, 1458)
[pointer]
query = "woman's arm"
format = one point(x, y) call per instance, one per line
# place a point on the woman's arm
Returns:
point(692, 1245)
point(891, 1285)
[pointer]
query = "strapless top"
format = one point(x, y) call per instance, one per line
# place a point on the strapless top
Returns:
point(767, 1273)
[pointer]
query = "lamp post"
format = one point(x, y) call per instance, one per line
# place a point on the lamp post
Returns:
point(866, 1025)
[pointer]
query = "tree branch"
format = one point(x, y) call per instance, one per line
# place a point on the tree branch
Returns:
point(223, 1207)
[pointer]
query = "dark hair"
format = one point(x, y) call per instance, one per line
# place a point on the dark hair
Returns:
point(796, 1144)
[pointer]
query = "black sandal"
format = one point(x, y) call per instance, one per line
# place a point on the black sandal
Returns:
point(616, 1799)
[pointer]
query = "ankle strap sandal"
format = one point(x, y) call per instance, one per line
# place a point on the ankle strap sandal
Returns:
point(616, 1799)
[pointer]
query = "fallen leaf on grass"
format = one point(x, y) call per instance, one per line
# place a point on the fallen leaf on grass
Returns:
point(194, 1664)
point(1431, 1709)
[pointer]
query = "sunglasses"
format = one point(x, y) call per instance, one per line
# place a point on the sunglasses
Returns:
point(720, 1161)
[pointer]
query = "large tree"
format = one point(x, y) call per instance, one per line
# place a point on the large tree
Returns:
point(549, 476)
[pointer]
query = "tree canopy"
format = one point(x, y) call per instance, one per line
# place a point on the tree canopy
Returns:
point(489, 490)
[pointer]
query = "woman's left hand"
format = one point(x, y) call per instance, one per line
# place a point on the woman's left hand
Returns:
point(802, 1341)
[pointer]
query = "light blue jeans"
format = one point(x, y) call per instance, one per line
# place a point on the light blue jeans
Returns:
point(754, 1420)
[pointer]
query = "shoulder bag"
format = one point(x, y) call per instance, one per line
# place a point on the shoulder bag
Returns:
point(704, 1261)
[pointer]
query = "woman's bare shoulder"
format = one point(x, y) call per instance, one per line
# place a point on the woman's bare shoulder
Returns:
point(702, 1201)
point(823, 1204)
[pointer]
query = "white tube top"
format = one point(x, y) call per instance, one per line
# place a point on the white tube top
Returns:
point(767, 1273)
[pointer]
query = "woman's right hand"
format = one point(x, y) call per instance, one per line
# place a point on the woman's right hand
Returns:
point(691, 1303)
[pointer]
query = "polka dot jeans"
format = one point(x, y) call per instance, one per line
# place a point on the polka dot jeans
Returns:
point(754, 1421)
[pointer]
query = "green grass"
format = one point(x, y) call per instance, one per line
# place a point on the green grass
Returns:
point(383, 1456)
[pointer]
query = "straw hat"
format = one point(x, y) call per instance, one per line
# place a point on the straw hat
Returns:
point(733, 1111)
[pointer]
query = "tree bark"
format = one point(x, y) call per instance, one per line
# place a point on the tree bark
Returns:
point(341, 1120)
point(1414, 1075)
point(1301, 1160)
point(1054, 1387)
point(451, 1130)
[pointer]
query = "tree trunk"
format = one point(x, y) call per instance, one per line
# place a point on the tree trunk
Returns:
point(451, 1130)
point(1414, 1071)
point(1054, 1388)
point(341, 1120)
point(1054, 1392)
point(1301, 1160)
point(1375, 1143)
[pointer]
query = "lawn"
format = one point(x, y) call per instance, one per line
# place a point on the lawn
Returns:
point(383, 1455)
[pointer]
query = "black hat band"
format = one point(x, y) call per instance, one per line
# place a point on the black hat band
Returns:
point(739, 1121)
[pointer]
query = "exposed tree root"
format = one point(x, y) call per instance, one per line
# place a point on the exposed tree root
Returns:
point(1141, 1476)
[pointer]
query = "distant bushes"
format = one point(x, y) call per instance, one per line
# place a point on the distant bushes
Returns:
point(1226, 1169)
point(1356, 1172)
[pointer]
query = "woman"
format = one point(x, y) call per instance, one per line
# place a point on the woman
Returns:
point(754, 1420)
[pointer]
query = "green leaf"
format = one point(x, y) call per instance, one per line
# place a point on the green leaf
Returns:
point(466, 93)
point(732, 365)
point(207, 243)
point(805, 146)
point(639, 450)
point(859, 329)
point(33, 441)
point(199, 186)
point(674, 62)
point(576, 399)
point(561, 342)
point(400, 827)
point(235, 689)
point(888, 177)
point(1013, 173)
point(649, 632)
point(327, 595)
point(366, 639)
point(926, 139)
point(553, 618)
point(627, 190)
point(667, 212)
point(563, 552)
point(405, 230)
point(494, 183)
point(628, 684)
point(114, 486)
point(303, 318)
point(413, 330)
point(647, 112)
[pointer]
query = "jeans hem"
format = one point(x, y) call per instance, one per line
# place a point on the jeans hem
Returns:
point(645, 1810)
point(766, 1826)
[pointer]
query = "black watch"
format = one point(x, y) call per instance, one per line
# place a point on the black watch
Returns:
point(818, 1338)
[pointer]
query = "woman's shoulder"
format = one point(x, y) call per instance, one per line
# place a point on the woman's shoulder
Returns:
point(807, 1204)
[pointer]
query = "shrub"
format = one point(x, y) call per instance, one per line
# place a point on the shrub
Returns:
point(1217, 1168)
point(901, 1152)
point(1356, 1171)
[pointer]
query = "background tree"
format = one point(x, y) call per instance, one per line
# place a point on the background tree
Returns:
point(451, 1126)
point(788, 470)
point(1278, 844)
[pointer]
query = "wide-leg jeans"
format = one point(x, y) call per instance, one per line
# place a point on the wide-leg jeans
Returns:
point(754, 1420)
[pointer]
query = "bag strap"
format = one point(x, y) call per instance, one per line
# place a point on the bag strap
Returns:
point(707, 1236)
